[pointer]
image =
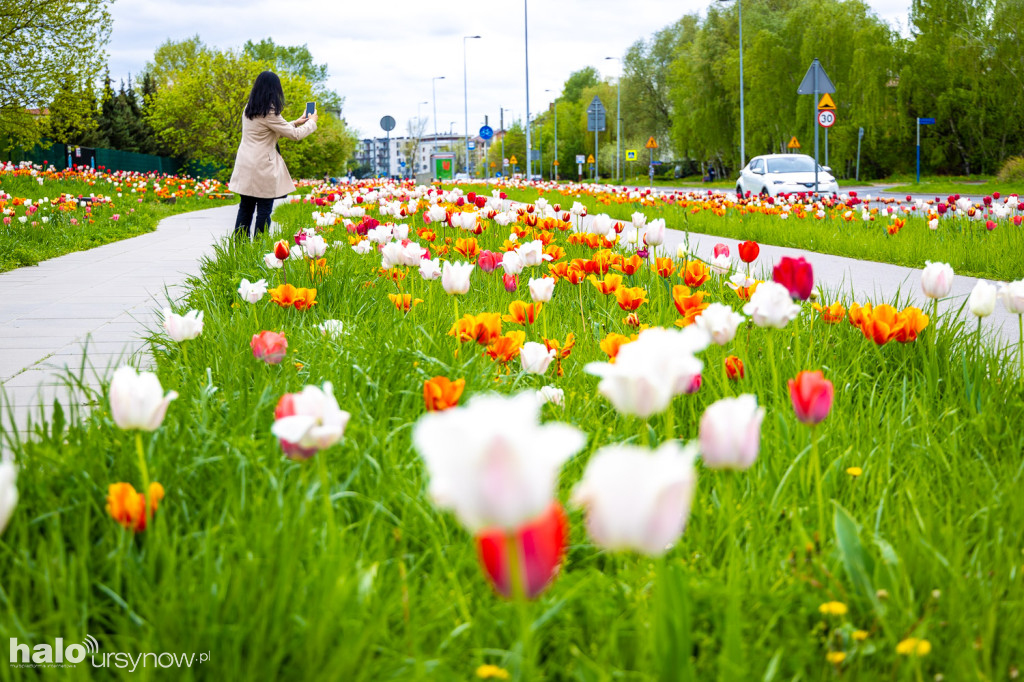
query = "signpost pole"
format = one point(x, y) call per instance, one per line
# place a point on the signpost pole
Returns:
point(919, 151)
point(502, 141)
point(814, 112)
point(595, 149)
point(526, 43)
point(860, 136)
point(826, 146)
point(650, 168)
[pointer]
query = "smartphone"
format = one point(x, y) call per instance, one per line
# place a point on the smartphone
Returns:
point(310, 108)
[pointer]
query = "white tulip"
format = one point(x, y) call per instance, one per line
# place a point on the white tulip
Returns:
point(532, 253)
point(296, 252)
point(137, 400)
point(331, 328)
point(720, 322)
point(551, 394)
point(636, 498)
point(639, 219)
point(655, 232)
point(601, 224)
point(272, 261)
point(392, 254)
point(455, 277)
point(8, 493)
point(535, 357)
point(1012, 296)
point(492, 462)
point(430, 269)
point(363, 247)
point(730, 432)
point(252, 292)
point(512, 263)
point(541, 290)
point(721, 265)
point(982, 301)
point(183, 327)
point(309, 421)
point(771, 306)
point(936, 280)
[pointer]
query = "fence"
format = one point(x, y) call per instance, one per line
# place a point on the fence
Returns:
point(60, 155)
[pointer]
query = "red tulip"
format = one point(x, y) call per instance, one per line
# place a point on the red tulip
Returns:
point(270, 347)
point(511, 282)
point(721, 250)
point(990, 225)
point(995, 195)
point(811, 394)
point(540, 545)
point(282, 250)
point(471, 196)
point(1017, 220)
point(480, 201)
point(796, 275)
point(748, 251)
point(488, 260)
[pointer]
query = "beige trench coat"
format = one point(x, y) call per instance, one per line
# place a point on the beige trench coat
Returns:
point(259, 170)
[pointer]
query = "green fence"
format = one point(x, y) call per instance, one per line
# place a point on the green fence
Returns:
point(59, 155)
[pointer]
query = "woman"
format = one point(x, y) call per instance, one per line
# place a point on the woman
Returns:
point(260, 174)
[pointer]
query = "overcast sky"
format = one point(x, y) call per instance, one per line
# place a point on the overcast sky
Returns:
point(383, 55)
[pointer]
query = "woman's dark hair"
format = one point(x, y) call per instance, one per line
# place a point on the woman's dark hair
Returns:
point(267, 96)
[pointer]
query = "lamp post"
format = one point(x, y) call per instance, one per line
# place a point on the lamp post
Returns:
point(465, 94)
point(743, 149)
point(526, 51)
point(433, 84)
point(419, 131)
point(554, 165)
point(618, 118)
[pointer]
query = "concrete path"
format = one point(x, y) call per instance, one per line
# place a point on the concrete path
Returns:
point(103, 300)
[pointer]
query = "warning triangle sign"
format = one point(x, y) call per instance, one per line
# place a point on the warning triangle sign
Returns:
point(651, 143)
point(826, 103)
point(793, 143)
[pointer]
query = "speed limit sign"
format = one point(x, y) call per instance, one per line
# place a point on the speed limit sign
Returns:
point(826, 118)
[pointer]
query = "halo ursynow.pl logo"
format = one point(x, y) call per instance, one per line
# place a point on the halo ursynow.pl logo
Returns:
point(56, 656)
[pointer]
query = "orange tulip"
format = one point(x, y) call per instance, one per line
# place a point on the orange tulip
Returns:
point(882, 325)
point(283, 295)
point(631, 320)
point(630, 298)
point(558, 270)
point(556, 252)
point(831, 314)
point(404, 301)
point(695, 273)
point(304, 298)
point(734, 368)
point(913, 323)
point(483, 328)
point(744, 293)
point(609, 285)
point(665, 267)
point(521, 312)
point(629, 266)
point(468, 247)
point(562, 350)
point(689, 304)
point(506, 348)
point(128, 507)
point(440, 393)
point(858, 312)
point(613, 342)
point(426, 234)
point(576, 275)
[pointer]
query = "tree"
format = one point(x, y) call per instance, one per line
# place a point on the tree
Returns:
point(45, 44)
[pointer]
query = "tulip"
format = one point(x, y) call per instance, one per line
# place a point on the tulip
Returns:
point(734, 368)
point(811, 394)
point(796, 275)
point(273, 262)
point(8, 493)
point(183, 327)
point(638, 219)
point(771, 306)
point(132, 509)
point(1012, 296)
point(539, 546)
point(720, 322)
point(721, 250)
point(721, 265)
point(441, 393)
point(488, 261)
point(309, 421)
point(532, 253)
point(252, 292)
point(455, 277)
point(654, 234)
point(936, 280)
point(730, 433)
point(511, 282)
point(331, 328)
point(512, 263)
point(982, 301)
point(430, 269)
point(748, 251)
point(492, 462)
point(535, 357)
point(541, 290)
point(551, 394)
point(638, 499)
point(270, 347)
point(137, 400)
point(314, 247)
point(282, 251)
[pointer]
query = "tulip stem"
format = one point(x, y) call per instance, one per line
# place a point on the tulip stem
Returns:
point(142, 463)
point(816, 466)
point(325, 483)
point(670, 428)
point(583, 320)
point(517, 585)
point(1020, 323)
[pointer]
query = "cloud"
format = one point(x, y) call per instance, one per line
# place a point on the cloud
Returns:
point(382, 56)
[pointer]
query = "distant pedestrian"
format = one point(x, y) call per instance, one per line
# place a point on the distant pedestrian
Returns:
point(260, 174)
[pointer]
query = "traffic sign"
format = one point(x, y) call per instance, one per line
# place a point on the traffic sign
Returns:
point(630, 155)
point(826, 118)
point(555, 162)
point(504, 162)
point(651, 143)
point(793, 143)
point(581, 158)
point(815, 81)
point(471, 145)
point(595, 115)
point(513, 160)
point(926, 121)
point(486, 132)
point(387, 123)
point(826, 102)
point(590, 159)
point(493, 165)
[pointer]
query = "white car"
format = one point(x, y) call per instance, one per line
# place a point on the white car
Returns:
point(774, 174)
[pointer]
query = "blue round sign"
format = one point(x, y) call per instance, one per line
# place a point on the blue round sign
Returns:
point(486, 132)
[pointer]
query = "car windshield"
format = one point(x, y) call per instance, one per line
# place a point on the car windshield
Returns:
point(793, 164)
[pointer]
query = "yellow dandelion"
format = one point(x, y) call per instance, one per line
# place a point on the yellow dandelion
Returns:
point(486, 672)
point(833, 608)
point(835, 657)
point(912, 646)
point(860, 635)
point(855, 471)
point(299, 365)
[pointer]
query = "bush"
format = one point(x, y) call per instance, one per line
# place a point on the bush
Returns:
point(1012, 170)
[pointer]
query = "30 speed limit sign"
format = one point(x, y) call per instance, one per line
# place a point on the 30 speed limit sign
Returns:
point(826, 118)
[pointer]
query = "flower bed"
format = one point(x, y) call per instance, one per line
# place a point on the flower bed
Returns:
point(431, 436)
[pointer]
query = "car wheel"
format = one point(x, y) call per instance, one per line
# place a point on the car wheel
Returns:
point(765, 192)
point(739, 191)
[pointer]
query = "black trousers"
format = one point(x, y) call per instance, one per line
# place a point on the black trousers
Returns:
point(262, 208)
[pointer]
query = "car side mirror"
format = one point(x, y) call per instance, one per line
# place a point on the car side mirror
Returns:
point(759, 171)
point(827, 169)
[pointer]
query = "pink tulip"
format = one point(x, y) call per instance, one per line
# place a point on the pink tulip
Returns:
point(511, 282)
point(811, 394)
point(721, 250)
point(270, 347)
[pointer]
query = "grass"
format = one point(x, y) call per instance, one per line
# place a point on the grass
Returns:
point(340, 568)
point(966, 245)
point(69, 228)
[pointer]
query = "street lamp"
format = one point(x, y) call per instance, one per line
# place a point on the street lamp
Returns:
point(618, 117)
point(433, 85)
point(554, 163)
point(743, 149)
point(418, 131)
point(526, 50)
point(465, 94)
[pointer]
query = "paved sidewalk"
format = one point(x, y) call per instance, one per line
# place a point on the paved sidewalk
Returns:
point(103, 299)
